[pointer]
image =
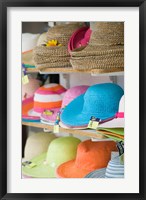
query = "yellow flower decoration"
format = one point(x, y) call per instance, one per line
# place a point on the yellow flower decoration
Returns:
point(53, 43)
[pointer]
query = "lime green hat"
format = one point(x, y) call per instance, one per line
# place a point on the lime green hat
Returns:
point(59, 151)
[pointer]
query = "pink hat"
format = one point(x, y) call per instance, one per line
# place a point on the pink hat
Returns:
point(69, 95)
point(29, 89)
point(118, 121)
point(47, 98)
point(79, 38)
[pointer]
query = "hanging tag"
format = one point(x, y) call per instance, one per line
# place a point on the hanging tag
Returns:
point(56, 128)
point(93, 123)
point(25, 80)
point(120, 146)
point(48, 112)
point(28, 164)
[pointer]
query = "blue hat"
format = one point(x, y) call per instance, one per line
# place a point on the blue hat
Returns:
point(100, 101)
point(114, 170)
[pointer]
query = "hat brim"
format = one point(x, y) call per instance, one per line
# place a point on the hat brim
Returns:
point(97, 174)
point(114, 123)
point(69, 170)
point(68, 127)
point(73, 116)
point(41, 170)
point(29, 115)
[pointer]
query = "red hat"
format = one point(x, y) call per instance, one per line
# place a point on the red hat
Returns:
point(90, 156)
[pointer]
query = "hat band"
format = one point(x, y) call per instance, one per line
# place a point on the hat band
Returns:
point(119, 115)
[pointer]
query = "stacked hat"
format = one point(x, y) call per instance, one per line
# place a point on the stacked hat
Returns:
point(29, 89)
point(90, 156)
point(59, 151)
point(69, 95)
point(105, 50)
point(54, 52)
point(114, 128)
point(48, 97)
point(114, 169)
point(99, 101)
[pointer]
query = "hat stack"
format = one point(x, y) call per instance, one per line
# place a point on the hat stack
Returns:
point(54, 53)
point(105, 50)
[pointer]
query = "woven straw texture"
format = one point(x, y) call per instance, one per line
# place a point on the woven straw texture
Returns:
point(55, 56)
point(105, 49)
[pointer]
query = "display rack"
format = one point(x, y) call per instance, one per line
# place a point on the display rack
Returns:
point(85, 132)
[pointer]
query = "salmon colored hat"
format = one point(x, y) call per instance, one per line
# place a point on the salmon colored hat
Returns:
point(90, 156)
point(46, 98)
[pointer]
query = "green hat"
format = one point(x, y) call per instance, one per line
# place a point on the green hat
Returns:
point(59, 151)
point(37, 144)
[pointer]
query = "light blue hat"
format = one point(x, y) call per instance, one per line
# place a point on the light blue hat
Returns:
point(114, 170)
point(100, 101)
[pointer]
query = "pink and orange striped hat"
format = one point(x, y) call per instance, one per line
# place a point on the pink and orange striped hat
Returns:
point(47, 98)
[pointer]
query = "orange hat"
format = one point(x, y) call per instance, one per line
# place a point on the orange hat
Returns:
point(90, 156)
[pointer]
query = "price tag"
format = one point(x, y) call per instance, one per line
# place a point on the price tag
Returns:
point(25, 80)
point(93, 123)
point(56, 128)
point(48, 112)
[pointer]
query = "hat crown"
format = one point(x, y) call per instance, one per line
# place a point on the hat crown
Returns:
point(94, 155)
point(72, 93)
point(102, 100)
point(61, 150)
point(107, 33)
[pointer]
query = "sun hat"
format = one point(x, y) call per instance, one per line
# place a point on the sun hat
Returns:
point(29, 89)
point(46, 98)
point(90, 156)
point(118, 120)
point(105, 49)
point(37, 144)
point(79, 38)
point(69, 95)
point(116, 134)
point(29, 41)
point(100, 101)
point(114, 169)
point(54, 52)
point(59, 151)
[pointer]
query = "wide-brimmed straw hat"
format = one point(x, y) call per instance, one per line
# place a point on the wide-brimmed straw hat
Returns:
point(60, 150)
point(90, 156)
point(105, 49)
point(47, 98)
point(99, 101)
point(54, 52)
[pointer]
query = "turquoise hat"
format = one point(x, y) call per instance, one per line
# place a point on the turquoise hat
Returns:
point(100, 101)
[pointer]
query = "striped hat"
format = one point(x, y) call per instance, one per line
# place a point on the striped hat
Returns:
point(47, 98)
point(114, 169)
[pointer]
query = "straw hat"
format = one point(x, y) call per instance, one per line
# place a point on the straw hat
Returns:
point(37, 144)
point(59, 151)
point(105, 49)
point(100, 101)
point(90, 156)
point(55, 54)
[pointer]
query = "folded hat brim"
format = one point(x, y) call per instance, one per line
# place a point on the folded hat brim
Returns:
point(69, 170)
point(73, 115)
point(114, 123)
point(29, 115)
point(41, 170)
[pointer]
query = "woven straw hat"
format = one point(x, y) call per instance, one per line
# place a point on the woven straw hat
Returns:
point(105, 49)
point(55, 56)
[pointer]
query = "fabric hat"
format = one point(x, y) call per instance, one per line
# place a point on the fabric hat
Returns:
point(116, 134)
point(29, 41)
point(105, 49)
point(69, 95)
point(118, 120)
point(29, 89)
point(37, 144)
point(90, 156)
point(48, 97)
point(27, 59)
point(100, 101)
point(114, 169)
point(79, 38)
point(59, 151)
point(54, 52)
